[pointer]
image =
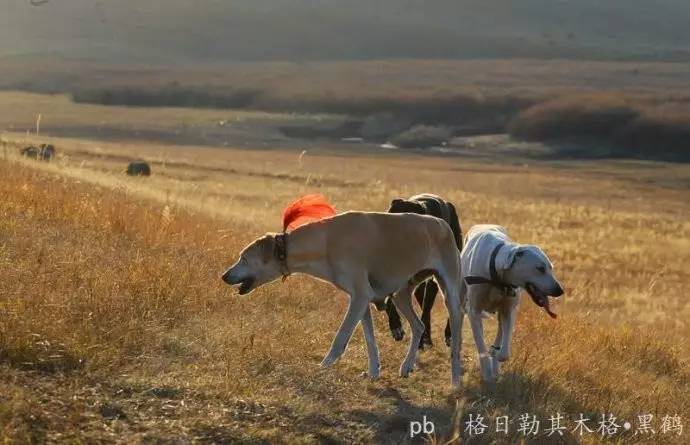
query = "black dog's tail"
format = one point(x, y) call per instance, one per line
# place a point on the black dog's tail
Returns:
point(455, 226)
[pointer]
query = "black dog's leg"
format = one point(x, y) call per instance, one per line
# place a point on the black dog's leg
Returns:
point(455, 226)
point(447, 333)
point(426, 296)
point(394, 320)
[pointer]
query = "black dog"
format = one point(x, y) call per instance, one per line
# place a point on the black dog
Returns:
point(424, 204)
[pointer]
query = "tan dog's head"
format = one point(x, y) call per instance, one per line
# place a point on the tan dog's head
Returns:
point(530, 268)
point(256, 266)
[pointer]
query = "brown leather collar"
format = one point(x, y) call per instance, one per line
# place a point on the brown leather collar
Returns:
point(281, 252)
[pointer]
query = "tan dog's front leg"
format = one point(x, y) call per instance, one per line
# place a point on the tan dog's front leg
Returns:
point(403, 301)
point(355, 311)
point(485, 360)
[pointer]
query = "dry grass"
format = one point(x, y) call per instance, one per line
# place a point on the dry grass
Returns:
point(116, 326)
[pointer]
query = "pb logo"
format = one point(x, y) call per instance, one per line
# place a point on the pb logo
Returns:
point(425, 426)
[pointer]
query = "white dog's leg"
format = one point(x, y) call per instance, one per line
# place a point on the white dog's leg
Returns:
point(508, 324)
point(485, 361)
point(403, 301)
point(356, 310)
point(496, 348)
point(372, 348)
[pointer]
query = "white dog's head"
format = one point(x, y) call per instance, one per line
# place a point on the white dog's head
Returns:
point(530, 268)
point(257, 265)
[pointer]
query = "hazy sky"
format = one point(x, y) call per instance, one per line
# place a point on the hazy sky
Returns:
point(230, 30)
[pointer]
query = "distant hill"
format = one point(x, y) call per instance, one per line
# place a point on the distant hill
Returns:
point(185, 31)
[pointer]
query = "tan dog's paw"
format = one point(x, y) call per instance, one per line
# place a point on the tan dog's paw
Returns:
point(406, 369)
point(327, 362)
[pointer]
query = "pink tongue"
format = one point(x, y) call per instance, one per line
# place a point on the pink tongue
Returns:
point(548, 309)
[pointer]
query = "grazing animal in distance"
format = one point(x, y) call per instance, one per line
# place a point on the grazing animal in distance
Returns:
point(495, 270)
point(369, 256)
point(43, 152)
point(139, 168)
point(425, 293)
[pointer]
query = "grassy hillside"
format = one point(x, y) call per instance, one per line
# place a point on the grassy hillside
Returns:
point(118, 328)
point(579, 109)
point(183, 31)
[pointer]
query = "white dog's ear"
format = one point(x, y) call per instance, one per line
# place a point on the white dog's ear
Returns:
point(515, 253)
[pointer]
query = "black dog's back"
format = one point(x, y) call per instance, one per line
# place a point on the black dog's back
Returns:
point(425, 293)
point(432, 205)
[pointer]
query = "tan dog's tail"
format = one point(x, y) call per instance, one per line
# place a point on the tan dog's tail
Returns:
point(306, 209)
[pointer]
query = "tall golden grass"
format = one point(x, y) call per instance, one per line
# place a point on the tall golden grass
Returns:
point(116, 328)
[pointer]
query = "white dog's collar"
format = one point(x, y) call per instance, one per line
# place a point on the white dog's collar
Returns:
point(495, 280)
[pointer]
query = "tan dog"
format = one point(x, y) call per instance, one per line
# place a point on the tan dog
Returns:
point(369, 256)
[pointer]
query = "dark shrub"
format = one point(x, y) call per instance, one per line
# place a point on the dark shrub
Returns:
point(575, 117)
point(661, 134)
point(422, 136)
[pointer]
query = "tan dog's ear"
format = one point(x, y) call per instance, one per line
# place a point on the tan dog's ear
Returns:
point(267, 248)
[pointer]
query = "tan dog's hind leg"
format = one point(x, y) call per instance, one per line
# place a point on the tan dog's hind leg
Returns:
point(372, 348)
point(455, 319)
point(403, 301)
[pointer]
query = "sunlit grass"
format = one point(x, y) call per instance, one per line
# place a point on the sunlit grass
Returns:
point(112, 302)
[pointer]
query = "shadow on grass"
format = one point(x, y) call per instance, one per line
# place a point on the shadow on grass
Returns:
point(513, 395)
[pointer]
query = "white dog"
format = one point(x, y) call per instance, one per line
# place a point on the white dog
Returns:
point(494, 271)
point(369, 256)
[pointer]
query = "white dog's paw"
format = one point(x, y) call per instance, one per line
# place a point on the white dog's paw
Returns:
point(490, 378)
point(486, 368)
point(456, 379)
point(496, 368)
point(456, 385)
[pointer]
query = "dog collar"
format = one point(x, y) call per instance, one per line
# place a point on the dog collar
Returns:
point(280, 252)
point(495, 280)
